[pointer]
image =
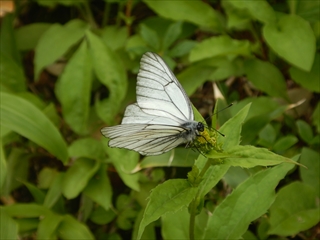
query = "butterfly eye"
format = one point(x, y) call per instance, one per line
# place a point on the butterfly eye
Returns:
point(200, 127)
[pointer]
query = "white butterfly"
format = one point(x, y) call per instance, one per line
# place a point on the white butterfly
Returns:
point(161, 119)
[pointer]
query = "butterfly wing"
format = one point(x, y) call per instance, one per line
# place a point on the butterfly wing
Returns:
point(159, 93)
point(143, 138)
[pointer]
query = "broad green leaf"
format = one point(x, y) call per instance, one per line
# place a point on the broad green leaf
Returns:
point(212, 176)
point(171, 35)
point(169, 196)
point(73, 90)
point(55, 191)
point(101, 216)
point(266, 77)
point(28, 36)
point(250, 156)
point(8, 227)
point(180, 220)
point(311, 175)
point(182, 48)
point(114, 37)
point(260, 10)
point(294, 210)
point(194, 76)
point(196, 12)
point(285, 143)
point(267, 136)
point(55, 42)
point(48, 225)
point(309, 10)
point(12, 76)
point(46, 177)
point(70, 228)
point(304, 130)
point(78, 176)
point(220, 46)
point(99, 188)
point(252, 198)
point(28, 121)
point(87, 147)
point(232, 129)
point(110, 73)
point(293, 40)
point(308, 79)
point(124, 161)
point(150, 37)
point(26, 210)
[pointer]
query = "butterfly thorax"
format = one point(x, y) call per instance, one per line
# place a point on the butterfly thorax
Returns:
point(193, 130)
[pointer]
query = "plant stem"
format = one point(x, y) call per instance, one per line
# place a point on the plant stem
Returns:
point(196, 200)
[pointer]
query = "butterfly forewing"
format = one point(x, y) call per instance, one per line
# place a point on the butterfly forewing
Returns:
point(171, 101)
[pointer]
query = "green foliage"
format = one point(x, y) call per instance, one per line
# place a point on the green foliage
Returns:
point(64, 77)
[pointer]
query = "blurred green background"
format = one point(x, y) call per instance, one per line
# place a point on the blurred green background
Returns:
point(68, 68)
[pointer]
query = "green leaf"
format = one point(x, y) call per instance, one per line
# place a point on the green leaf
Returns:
point(8, 227)
point(232, 129)
point(101, 216)
point(293, 40)
point(250, 156)
point(114, 37)
point(48, 226)
point(78, 176)
point(180, 221)
point(55, 42)
point(36, 193)
point(232, 217)
point(28, 121)
point(110, 73)
point(309, 10)
point(220, 46)
point(169, 196)
point(304, 130)
point(86, 147)
point(294, 210)
point(150, 37)
point(124, 161)
point(260, 10)
point(308, 79)
point(316, 117)
point(182, 48)
point(311, 175)
point(285, 143)
point(99, 188)
point(17, 170)
point(12, 76)
point(194, 76)
point(196, 12)
point(55, 191)
point(7, 38)
point(70, 228)
point(171, 35)
point(266, 77)
point(26, 210)
point(73, 90)
point(28, 36)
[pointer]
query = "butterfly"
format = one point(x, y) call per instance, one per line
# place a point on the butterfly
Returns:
point(161, 119)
